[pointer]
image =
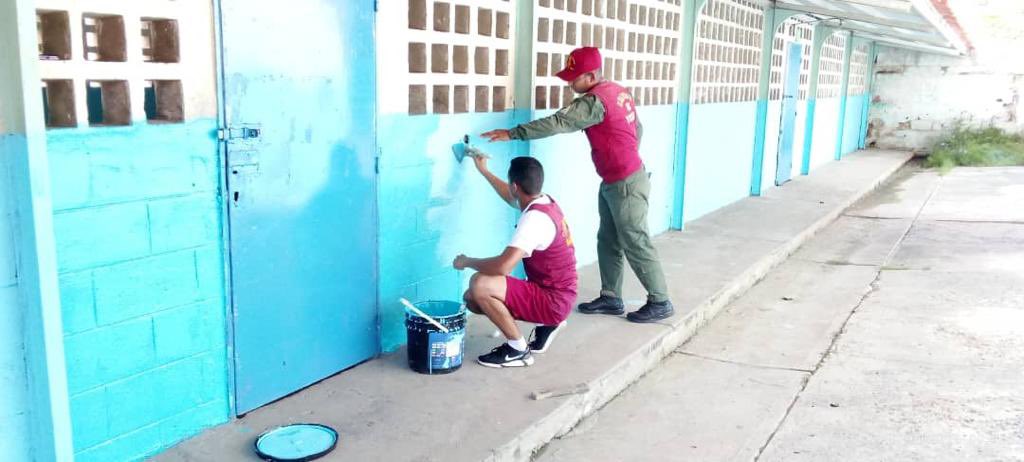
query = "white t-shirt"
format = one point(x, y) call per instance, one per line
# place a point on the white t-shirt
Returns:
point(535, 229)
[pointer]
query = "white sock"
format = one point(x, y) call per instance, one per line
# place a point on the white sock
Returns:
point(519, 344)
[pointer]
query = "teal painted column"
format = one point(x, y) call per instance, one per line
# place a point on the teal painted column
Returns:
point(691, 12)
point(821, 33)
point(522, 99)
point(22, 114)
point(869, 81)
point(843, 98)
point(773, 18)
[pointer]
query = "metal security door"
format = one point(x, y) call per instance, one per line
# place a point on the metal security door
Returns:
point(790, 93)
point(299, 102)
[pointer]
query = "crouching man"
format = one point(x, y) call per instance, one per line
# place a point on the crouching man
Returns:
point(543, 243)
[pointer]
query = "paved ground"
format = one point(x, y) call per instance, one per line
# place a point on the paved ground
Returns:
point(385, 412)
point(897, 334)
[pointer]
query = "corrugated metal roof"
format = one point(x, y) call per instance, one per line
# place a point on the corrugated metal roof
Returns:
point(927, 25)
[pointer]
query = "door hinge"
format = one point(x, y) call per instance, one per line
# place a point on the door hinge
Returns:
point(375, 6)
point(376, 162)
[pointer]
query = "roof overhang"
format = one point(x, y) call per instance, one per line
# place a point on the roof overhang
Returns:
point(924, 25)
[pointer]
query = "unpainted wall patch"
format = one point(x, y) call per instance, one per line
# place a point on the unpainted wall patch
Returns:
point(104, 38)
point(442, 16)
point(160, 43)
point(482, 92)
point(59, 103)
point(439, 58)
point(54, 35)
point(108, 102)
point(461, 99)
point(440, 99)
point(417, 57)
point(164, 101)
point(417, 99)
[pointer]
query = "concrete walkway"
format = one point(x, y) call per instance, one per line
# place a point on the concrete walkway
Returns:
point(386, 412)
point(895, 334)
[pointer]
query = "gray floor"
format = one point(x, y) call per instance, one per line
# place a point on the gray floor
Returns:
point(385, 412)
point(897, 334)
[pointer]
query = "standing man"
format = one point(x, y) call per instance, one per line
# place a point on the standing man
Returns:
point(607, 115)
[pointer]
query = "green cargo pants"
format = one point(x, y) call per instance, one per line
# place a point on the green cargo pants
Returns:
point(623, 232)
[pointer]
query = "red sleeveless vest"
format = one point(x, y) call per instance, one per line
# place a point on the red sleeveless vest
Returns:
point(554, 268)
point(613, 142)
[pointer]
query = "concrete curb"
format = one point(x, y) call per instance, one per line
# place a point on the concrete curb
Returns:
point(613, 382)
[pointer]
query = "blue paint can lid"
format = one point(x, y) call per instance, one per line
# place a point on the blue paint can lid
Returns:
point(296, 442)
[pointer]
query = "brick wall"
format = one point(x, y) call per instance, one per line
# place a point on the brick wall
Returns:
point(918, 97)
point(137, 224)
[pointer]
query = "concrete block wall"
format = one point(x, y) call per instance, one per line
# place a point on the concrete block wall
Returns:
point(137, 222)
point(719, 156)
point(906, 114)
point(433, 208)
point(851, 123)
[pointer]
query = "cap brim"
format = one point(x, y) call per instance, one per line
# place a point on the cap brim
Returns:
point(568, 75)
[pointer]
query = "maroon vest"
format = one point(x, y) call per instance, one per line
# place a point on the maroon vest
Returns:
point(613, 142)
point(554, 268)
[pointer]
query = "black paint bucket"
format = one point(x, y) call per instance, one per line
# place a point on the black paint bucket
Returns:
point(431, 350)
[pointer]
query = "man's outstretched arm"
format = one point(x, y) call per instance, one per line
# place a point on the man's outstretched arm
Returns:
point(501, 265)
point(581, 113)
point(499, 185)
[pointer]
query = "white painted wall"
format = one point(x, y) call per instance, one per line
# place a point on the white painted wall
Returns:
point(919, 96)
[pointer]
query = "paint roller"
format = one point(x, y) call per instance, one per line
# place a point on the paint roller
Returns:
point(466, 149)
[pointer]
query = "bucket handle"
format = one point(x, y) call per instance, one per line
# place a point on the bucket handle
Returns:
point(423, 315)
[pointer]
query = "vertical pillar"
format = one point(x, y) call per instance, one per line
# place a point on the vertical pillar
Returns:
point(869, 80)
point(847, 55)
point(22, 113)
point(522, 96)
point(691, 13)
point(773, 18)
point(821, 33)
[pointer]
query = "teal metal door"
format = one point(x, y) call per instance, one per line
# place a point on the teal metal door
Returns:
point(299, 100)
point(790, 93)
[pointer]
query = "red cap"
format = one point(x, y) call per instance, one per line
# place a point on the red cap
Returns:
point(580, 61)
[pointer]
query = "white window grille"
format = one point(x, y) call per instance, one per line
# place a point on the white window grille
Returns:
point(858, 70)
point(639, 41)
point(830, 71)
point(446, 57)
point(108, 63)
point(728, 52)
point(791, 31)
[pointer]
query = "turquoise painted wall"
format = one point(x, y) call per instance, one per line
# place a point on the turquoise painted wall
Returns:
point(771, 146)
point(719, 156)
point(851, 124)
point(137, 224)
point(432, 208)
point(572, 180)
point(826, 122)
point(14, 443)
point(658, 151)
point(798, 137)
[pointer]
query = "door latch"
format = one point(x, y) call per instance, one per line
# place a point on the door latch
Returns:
point(238, 133)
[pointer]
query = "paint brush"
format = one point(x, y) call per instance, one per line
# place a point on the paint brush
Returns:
point(465, 149)
point(554, 393)
point(423, 315)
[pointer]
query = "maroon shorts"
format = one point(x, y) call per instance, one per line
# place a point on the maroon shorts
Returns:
point(532, 303)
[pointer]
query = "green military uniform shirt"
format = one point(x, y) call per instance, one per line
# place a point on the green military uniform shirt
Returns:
point(583, 112)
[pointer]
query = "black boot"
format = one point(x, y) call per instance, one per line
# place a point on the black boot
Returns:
point(603, 305)
point(652, 312)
